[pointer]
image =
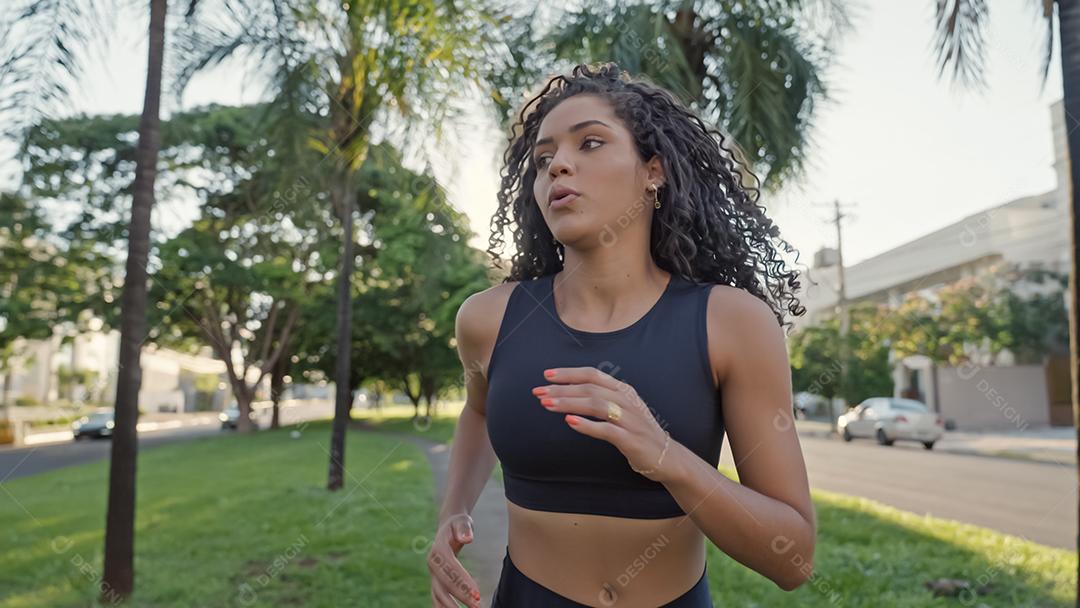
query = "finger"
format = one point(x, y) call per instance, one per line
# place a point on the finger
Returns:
point(611, 433)
point(450, 593)
point(462, 528)
point(579, 375)
point(582, 406)
point(584, 389)
point(455, 579)
point(440, 597)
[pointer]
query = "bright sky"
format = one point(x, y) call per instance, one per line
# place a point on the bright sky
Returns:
point(902, 151)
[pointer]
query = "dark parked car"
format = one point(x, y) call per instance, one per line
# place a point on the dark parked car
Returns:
point(231, 415)
point(97, 424)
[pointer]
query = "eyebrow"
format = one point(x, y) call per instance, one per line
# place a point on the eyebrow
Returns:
point(578, 126)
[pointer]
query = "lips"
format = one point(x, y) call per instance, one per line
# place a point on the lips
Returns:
point(558, 192)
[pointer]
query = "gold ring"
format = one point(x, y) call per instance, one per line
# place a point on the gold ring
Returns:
point(614, 412)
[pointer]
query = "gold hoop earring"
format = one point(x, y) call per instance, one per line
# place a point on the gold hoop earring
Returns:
point(656, 195)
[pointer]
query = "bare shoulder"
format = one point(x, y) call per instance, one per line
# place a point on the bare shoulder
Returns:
point(477, 326)
point(740, 325)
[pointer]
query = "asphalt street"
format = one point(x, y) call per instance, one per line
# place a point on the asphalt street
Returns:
point(31, 460)
point(1034, 500)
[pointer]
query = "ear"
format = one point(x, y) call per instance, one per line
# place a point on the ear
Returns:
point(654, 171)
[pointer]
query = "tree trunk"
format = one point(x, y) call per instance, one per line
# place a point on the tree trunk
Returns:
point(427, 387)
point(48, 371)
point(414, 398)
point(244, 397)
point(277, 385)
point(343, 397)
point(118, 580)
point(9, 377)
point(1069, 22)
point(5, 403)
point(74, 368)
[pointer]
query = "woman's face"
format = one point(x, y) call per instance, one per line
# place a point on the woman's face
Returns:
point(583, 146)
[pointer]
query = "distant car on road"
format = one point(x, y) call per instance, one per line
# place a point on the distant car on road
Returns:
point(96, 424)
point(890, 418)
point(231, 415)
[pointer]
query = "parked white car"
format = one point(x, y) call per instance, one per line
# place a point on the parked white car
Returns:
point(890, 418)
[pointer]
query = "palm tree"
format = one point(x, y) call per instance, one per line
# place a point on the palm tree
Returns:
point(119, 575)
point(366, 66)
point(36, 78)
point(752, 68)
point(960, 44)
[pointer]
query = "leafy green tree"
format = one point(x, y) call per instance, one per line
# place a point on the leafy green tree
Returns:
point(985, 314)
point(418, 270)
point(366, 65)
point(225, 280)
point(28, 282)
point(815, 357)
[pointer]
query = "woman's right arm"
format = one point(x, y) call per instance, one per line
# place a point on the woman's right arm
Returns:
point(472, 458)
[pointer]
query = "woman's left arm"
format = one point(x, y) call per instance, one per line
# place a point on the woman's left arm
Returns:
point(766, 520)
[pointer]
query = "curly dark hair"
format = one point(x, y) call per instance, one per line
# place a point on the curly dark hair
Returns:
point(710, 228)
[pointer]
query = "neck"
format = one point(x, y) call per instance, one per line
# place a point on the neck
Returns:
point(604, 281)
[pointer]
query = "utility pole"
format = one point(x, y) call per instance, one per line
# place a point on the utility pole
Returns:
point(841, 312)
point(842, 308)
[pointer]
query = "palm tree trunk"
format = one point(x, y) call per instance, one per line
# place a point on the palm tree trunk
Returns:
point(343, 401)
point(119, 574)
point(1069, 22)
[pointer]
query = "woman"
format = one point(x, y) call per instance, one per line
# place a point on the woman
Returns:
point(642, 317)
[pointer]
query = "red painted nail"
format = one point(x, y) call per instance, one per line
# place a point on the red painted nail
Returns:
point(549, 373)
point(538, 391)
point(572, 420)
point(547, 402)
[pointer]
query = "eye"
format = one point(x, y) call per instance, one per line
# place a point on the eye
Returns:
point(539, 161)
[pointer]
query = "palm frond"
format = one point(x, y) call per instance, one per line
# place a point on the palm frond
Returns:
point(959, 40)
point(43, 47)
point(766, 88)
point(1046, 13)
point(752, 69)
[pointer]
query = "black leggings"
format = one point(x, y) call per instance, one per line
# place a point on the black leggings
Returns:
point(516, 590)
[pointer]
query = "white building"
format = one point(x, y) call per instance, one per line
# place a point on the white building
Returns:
point(1031, 232)
point(171, 381)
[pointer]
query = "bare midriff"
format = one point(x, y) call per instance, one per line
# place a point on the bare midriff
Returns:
point(598, 560)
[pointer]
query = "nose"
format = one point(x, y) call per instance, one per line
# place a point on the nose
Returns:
point(558, 165)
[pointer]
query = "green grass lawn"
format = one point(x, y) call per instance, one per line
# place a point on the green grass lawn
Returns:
point(245, 521)
point(232, 521)
point(868, 554)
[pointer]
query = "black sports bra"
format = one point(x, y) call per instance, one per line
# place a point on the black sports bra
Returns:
point(664, 355)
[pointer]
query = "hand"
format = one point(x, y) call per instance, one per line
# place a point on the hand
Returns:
point(586, 391)
point(449, 580)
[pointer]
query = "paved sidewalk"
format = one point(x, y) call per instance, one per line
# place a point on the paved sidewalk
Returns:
point(1048, 444)
point(483, 557)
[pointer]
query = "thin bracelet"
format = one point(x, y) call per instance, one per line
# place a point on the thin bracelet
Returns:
point(667, 441)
